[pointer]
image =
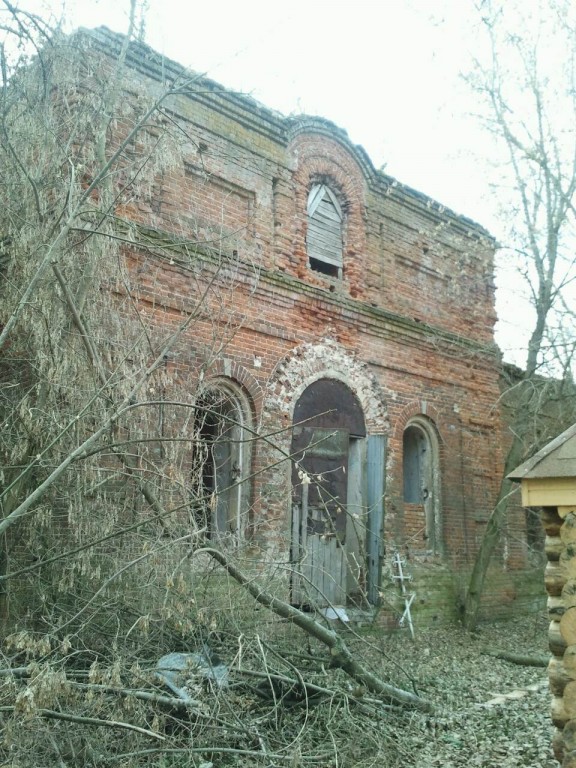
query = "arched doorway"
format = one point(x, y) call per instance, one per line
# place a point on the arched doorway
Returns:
point(421, 477)
point(328, 510)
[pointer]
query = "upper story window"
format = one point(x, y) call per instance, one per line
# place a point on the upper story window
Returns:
point(324, 238)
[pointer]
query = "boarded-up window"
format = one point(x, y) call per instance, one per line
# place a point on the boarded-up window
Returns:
point(324, 238)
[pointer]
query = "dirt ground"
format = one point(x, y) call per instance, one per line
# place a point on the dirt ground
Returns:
point(489, 712)
point(486, 711)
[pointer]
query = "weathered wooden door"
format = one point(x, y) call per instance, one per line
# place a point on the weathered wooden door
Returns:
point(376, 488)
point(327, 417)
point(320, 488)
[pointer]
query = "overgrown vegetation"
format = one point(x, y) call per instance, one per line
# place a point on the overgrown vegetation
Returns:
point(284, 705)
point(110, 558)
point(526, 89)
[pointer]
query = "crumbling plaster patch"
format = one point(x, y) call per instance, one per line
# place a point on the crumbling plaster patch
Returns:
point(304, 365)
point(325, 359)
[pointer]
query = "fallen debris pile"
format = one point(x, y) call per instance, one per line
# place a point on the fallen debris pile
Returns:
point(249, 700)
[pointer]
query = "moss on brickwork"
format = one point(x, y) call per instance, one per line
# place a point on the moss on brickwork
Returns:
point(439, 594)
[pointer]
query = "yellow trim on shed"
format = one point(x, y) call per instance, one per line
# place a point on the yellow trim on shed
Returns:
point(549, 492)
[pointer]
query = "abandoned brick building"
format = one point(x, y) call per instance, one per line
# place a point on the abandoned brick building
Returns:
point(355, 326)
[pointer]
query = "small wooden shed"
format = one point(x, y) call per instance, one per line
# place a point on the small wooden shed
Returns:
point(548, 482)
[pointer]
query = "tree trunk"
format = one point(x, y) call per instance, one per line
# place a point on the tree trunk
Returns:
point(340, 655)
point(490, 539)
point(523, 659)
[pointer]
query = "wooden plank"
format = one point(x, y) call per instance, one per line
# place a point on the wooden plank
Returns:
point(322, 196)
point(328, 568)
point(376, 487)
point(330, 255)
point(314, 198)
point(317, 570)
point(324, 237)
point(322, 240)
point(549, 492)
point(297, 592)
point(343, 580)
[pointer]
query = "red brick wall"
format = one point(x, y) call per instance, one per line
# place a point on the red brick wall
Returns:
point(409, 328)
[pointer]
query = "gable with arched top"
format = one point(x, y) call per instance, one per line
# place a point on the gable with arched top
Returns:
point(323, 161)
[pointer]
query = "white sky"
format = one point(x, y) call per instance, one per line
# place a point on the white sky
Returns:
point(385, 71)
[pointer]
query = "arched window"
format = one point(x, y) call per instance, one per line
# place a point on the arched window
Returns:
point(421, 477)
point(221, 461)
point(416, 459)
point(324, 236)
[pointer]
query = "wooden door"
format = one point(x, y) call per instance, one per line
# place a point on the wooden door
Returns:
point(376, 488)
point(327, 419)
point(320, 473)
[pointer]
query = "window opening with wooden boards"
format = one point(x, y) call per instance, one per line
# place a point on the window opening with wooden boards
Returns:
point(324, 237)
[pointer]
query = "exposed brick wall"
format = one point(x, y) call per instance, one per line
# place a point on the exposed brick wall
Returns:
point(409, 328)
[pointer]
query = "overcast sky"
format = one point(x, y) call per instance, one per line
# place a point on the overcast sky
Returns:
point(388, 72)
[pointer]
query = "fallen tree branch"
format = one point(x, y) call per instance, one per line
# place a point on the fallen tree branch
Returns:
point(340, 654)
point(523, 659)
point(312, 691)
point(155, 698)
point(15, 672)
point(216, 750)
point(53, 715)
point(308, 690)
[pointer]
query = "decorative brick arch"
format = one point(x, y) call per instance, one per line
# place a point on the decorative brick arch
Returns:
point(411, 410)
point(325, 359)
point(224, 368)
point(309, 124)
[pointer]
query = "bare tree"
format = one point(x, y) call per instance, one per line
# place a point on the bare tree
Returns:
point(528, 88)
point(111, 546)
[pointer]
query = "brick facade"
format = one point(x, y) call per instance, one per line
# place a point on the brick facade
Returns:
point(407, 328)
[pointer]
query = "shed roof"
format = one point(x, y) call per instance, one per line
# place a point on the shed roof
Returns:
point(557, 459)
